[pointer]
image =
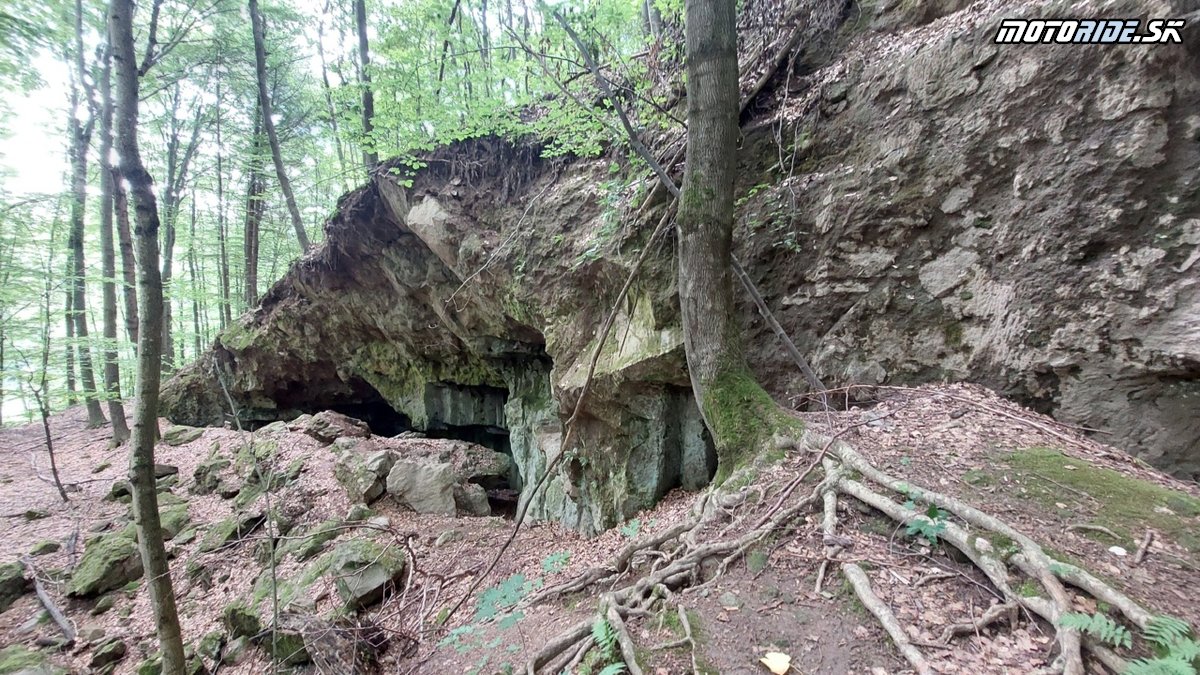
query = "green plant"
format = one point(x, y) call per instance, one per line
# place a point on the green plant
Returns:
point(605, 638)
point(631, 528)
point(556, 562)
point(1176, 650)
point(1098, 626)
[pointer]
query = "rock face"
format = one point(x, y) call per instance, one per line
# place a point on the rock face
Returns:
point(1024, 218)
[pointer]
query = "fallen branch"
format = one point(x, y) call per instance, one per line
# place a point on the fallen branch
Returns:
point(64, 624)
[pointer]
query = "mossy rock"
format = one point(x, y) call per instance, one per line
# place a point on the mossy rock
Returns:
point(210, 645)
point(230, 530)
point(20, 660)
point(308, 545)
point(286, 647)
point(240, 620)
point(364, 571)
point(109, 562)
point(45, 547)
point(13, 584)
point(181, 435)
point(35, 514)
point(107, 654)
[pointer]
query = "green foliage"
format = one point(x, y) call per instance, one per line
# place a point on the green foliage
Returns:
point(1177, 650)
point(556, 562)
point(605, 637)
point(631, 528)
point(1098, 626)
point(931, 524)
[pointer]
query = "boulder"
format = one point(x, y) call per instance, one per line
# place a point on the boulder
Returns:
point(423, 487)
point(45, 547)
point(181, 435)
point(363, 571)
point(13, 584)
point(328, 426)
point(363, 476)
point(230, 530)
point(108, 654)
point(240, 621)
point(110, 561)
point(471, 500)
point(207, 475)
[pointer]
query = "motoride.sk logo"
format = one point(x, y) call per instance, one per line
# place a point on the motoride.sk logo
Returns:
point(1089, 31)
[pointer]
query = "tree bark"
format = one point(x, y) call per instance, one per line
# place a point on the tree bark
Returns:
point(128, 264)
point(222, 232)
point(179, 159)
point(255, 190)
point(81, 135)
point(264, 99)
point(69, 363)
point(145, 425)
point(112, 368)
point(370, 156)
point(738, 412)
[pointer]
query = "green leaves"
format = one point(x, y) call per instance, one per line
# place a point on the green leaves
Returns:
point(1098, 626)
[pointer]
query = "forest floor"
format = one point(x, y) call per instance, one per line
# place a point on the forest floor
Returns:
point(1086, 503)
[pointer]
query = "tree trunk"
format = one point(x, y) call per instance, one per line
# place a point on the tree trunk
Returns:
point(370, 156)
point(264, 98)
point(69, 363)
point(255, 191)
point(145, 419)
point(179, 159)
point(222, 232)
point(738, 412)
point(112, 369)
point(330, 109)
point(81, 134)
point(128, 264)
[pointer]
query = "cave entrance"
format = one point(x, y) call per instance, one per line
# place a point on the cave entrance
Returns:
point(454, 411)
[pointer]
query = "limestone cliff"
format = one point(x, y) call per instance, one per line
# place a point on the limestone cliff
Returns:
point(922, 205)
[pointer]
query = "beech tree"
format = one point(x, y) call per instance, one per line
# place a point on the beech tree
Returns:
point(264, 98)
point(150, 298)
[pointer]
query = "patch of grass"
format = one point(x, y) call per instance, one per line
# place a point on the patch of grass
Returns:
point(1125, 505)
point(979, 478)
point(1028, 589)
point(757, 560)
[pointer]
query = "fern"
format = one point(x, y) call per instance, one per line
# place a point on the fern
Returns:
point(1170, 665)
point(606, 638)
point(1100, 627)
point(1178, 650)
point(1165, 631)
point(613, 669)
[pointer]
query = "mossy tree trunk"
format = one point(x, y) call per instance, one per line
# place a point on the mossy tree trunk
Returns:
point(739, 413)
point(145, 419)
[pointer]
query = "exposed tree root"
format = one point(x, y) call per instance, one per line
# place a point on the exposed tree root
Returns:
point(677, 557)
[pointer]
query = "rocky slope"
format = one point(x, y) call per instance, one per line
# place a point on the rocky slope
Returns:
point(922, 205)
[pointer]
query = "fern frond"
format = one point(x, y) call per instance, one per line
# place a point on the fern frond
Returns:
point(1165, 631)
point(1100, 627)
point(613, 669)
point(1170, 665)
point(605, 637)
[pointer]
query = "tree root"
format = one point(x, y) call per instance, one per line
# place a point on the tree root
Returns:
point(676, 556)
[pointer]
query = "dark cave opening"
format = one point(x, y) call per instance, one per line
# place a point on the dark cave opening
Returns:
point(455, 412)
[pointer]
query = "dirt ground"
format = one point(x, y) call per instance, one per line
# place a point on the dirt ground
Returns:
point(960, 440)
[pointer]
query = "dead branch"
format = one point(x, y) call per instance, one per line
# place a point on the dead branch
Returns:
point(64, 624)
